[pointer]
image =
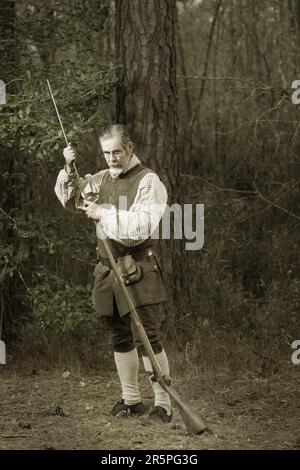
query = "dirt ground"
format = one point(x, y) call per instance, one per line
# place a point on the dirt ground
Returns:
point(69, 409)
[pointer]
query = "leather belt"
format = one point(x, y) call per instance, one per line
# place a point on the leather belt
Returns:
point(137, 256)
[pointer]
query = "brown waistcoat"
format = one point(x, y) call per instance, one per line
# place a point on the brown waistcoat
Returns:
point(150, 289)
point(112, 189)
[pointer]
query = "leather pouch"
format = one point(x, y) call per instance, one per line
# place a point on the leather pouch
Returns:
point(129, 270)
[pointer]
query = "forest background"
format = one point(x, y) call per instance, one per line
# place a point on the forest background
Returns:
point(205, 87)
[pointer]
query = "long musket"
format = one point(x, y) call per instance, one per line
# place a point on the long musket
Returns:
point(191, 419)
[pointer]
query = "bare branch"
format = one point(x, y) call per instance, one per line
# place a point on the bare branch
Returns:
point(273, 204)
point(215, 186)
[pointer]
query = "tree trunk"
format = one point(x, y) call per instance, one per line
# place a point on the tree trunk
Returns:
point(146, 100)
point(146, 95)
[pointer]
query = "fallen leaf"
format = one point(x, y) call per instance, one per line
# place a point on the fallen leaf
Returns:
point(66, 374)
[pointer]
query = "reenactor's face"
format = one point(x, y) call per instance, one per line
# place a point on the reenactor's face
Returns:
point(116, 156)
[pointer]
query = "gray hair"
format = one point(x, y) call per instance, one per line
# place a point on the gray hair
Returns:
point(116, 130)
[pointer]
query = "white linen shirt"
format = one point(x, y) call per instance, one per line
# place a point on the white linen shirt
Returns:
point(128, 226)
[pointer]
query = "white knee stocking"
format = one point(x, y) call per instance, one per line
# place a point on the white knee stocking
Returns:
point(127, 364)
point(161, 397)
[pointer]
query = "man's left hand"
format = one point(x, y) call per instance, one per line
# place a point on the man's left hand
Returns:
point(92, 210)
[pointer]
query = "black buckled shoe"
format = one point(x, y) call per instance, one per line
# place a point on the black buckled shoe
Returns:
point(157, 415)
point(121, 409)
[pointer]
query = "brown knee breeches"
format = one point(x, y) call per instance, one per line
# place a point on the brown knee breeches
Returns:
point(123, 334)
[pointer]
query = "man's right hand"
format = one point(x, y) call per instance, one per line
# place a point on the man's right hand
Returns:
point(70, 156)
